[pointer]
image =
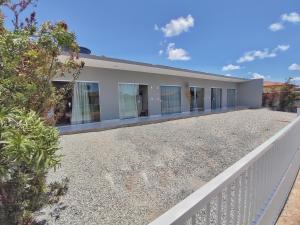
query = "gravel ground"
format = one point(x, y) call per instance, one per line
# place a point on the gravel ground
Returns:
point(132, 175)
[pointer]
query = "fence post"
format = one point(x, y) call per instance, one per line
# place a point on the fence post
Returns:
point(298, 111)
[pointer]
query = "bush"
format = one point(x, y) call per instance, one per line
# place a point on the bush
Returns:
point(29, 61)
point(27, 151)
point(288, 96)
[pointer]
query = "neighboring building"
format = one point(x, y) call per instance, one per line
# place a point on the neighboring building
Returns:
point(273, 91)
point(270, 86)
point(271, 95)
point(110, 89)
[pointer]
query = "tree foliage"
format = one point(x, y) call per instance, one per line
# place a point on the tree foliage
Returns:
point(28, 151)
point(283, 98)
point(287, 96)
point(29, 61)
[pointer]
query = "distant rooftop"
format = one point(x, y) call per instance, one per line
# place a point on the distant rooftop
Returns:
point(272, 83)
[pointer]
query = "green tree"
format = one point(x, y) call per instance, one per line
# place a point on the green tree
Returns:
point(29, 61)
point(287, 96)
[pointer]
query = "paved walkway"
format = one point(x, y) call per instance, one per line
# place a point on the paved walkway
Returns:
point(291, 212)
point(118, 123)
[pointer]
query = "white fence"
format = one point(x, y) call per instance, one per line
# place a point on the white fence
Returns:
point(252, 191)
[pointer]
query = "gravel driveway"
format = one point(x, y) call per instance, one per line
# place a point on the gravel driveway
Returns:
point(132, 175)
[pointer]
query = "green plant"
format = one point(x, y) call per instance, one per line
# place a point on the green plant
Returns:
point(28, 151)
point(29, 61)
point(271, 99)
point(287, 96)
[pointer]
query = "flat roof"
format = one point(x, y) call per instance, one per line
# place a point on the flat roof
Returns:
point(121, 64)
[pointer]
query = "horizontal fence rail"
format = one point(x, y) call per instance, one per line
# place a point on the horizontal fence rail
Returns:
point(252, 191)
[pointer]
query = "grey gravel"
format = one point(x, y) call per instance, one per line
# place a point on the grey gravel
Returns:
point(132, 175)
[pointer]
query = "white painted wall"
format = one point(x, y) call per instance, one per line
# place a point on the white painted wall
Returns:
point(109, 98)
point(250, 93)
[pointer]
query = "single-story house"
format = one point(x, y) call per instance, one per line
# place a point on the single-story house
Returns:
point(109, 89)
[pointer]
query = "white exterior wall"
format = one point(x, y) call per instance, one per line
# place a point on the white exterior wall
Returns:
point(250, 93)
point(109, 79)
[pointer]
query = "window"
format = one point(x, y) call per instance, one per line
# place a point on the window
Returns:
point(170, 99)
point(231, 97)
point(127, 100)
point(133, 100)
point(80, 105)
point(196, 99)
point(216, 98)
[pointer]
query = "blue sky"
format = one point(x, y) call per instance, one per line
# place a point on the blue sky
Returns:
point(230, 37)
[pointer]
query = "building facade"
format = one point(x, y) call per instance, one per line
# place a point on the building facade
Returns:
point(109, 89)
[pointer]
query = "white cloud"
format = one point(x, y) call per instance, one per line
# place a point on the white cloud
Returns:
point(156, 27)
point(256, 54)
point(160, 52)
point(291, 17)
point(177, 53)
point(177, 26)
point(282, 48)
point(258, 76)
point(247, 57)
point(296, 78)
point(262, 54)
point(276, 26)
point(287, 17)
point(294, 66)
point(230, 67)
point(228, 75)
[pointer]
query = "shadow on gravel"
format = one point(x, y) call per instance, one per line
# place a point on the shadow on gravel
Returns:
point(55, 191)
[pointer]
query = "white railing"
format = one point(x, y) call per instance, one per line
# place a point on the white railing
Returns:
point(252, 191)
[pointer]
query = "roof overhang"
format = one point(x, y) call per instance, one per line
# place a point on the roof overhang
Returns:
point(117, 64)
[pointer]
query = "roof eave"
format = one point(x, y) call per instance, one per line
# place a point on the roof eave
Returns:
point(119, 64)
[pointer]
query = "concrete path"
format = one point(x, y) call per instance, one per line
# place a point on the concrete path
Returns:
point(119, 123)
point(291, 212)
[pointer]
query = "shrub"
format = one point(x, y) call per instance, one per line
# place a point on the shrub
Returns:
point(288, 96)
point(29, 61)
point(27, 151)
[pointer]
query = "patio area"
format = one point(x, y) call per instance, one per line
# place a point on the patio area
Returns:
point(132, 175)
point(119, 123)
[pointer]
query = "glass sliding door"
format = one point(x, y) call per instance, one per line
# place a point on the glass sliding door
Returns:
point(216, 98)
point(197, 99)
point(85, 103)
point(80, 105)
point(128, 94)
point(231, 98)
point(170, 99)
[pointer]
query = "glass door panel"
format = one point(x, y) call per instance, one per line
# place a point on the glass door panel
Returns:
point(197, 99)
point(79, 105)
point(216, 98)
point(85, 103)
point(231, 97)
point(128, 100)
point(170, 99)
